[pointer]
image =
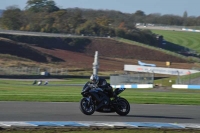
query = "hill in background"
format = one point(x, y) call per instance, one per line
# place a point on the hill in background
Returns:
point(78, 53)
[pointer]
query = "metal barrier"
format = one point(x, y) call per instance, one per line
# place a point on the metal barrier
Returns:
point(135, 78)
point(31, 71)
point(190, 79)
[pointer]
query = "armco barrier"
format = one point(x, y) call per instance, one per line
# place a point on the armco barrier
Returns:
point(134, 86)
point(174, 86)
point(192, 30)
point(27, 124)
point(178, 86)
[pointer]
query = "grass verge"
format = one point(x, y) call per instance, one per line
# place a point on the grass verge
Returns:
point(59, 91)
point(187, 39)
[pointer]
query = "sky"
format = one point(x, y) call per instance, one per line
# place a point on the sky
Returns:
point(175, 7)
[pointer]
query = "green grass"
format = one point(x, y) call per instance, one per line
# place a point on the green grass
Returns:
point(166, 81)
point(12, 90)
point(190, 40)
point(25, 91)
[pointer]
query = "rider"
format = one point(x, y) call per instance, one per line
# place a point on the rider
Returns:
point(101, 83)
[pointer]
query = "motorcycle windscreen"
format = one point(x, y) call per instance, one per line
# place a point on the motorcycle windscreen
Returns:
point(85, 88)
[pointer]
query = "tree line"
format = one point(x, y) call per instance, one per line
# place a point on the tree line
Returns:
point(46, 16)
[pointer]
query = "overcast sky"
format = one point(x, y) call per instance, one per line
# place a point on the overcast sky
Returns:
point(175, 7)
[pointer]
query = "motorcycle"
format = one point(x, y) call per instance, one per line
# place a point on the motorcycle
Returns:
point(95, 99)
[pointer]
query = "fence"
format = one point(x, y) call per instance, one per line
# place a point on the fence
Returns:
point(135, 78)
point(31, 71)
point(191, 79)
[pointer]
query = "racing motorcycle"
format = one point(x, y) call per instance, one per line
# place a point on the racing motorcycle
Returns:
point(95, 99)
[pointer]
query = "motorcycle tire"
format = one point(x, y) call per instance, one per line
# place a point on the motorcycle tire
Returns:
point(85, 108)
point(121, 105)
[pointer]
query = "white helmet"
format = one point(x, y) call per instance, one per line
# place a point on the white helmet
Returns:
point(94, 78)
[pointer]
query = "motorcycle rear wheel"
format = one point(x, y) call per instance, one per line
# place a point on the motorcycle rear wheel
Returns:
point(122, 107)
point(85, 107)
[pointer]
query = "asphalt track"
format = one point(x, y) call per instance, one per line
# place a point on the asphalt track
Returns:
point(69, 111)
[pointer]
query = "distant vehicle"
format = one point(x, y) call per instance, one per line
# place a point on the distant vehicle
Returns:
point(46, 83)
point(40, 82)
point(35, 82)
point(145, 64)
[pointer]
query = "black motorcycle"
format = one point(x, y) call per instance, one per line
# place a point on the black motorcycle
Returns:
point(95, 99)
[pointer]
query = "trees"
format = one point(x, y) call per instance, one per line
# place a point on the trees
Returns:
point(11, 18)
point(139, 13)
point(45, 16)
point(91, 28)
point(139, 16)
point(153, 18)
point(41, 6)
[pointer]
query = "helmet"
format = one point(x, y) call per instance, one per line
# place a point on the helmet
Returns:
point(94, 78)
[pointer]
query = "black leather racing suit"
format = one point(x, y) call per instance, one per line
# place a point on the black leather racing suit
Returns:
point(105, 86)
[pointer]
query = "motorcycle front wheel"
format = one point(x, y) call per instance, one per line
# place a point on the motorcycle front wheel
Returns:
point(122, 107)
point(86, 107)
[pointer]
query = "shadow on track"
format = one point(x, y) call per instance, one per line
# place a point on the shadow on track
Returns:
point(145, 116)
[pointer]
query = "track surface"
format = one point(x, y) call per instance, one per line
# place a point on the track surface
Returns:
point(60, 111)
